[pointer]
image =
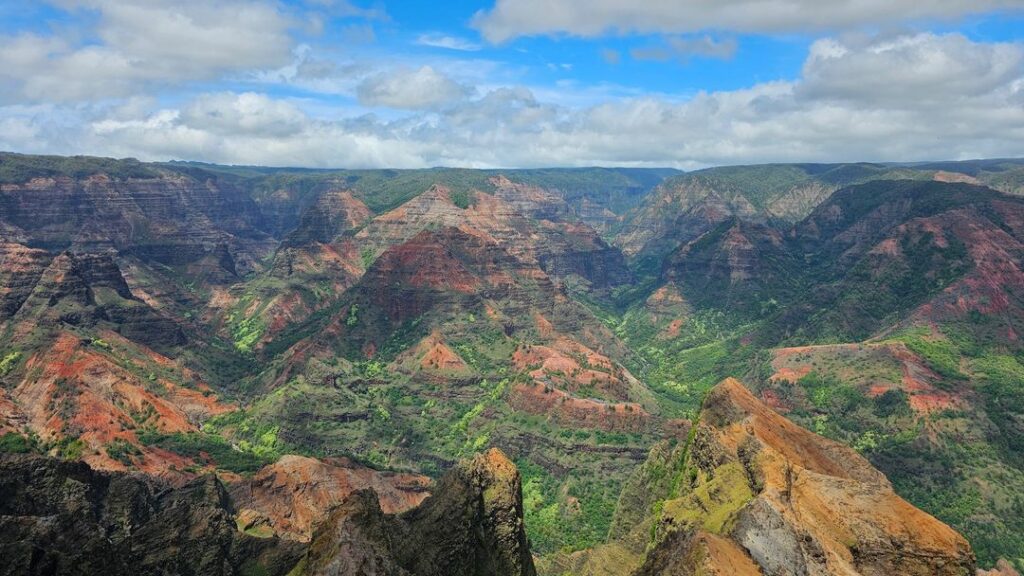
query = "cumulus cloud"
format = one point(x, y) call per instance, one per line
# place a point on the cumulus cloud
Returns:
point(908, 71)
point(912, 97)
point(420, 88)
point(513, 18)
point(144, 43)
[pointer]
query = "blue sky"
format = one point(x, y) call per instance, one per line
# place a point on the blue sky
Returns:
point(685, 83)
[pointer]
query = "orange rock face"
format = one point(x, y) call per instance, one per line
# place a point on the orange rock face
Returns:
point(817, 507)
point(432, 356)
point(570, 411)
point(292, 495)
point(906, 371)
point(571, 366)
point(77, 389)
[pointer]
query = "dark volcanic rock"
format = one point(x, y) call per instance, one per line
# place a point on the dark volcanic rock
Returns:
point(65, 518)
point(471, 526)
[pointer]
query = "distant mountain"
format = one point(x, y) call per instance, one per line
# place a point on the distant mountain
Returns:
point(305, 334)
point(687, 205)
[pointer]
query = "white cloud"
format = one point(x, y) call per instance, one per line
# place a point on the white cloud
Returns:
point(144, 43)
point(513, 18)
point(900, 98)
point(420, 88)
point(909, 71)
point(448, 42)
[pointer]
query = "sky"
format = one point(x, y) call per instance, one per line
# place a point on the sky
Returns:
point(513, 83)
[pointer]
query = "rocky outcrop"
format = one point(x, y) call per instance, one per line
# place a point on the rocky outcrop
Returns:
point(65, 518)
point(441, 274)
point(532, 201)
point(568, 410)
point(698, 554)
point(88, 289)
point(169, 217)
point(795, 503)
point(296, 493)
point(20, 269)
point(471, 526)
point(432, 357)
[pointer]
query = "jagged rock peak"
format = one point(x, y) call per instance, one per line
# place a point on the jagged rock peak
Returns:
point(791, 502)
point(471, 526)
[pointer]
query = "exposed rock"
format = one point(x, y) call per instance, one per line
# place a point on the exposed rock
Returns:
point(296, 493)
point(432, 357)
point(559, 248)
point(571, 366)
point(568, 410)
point(335, 213)
point(471, 526)
point(438, 275)
point(75, 390)
point(532, 201)
point(64, 518)
point(86, 289)
point(798, 503)
point(735, 264)
point(699, 554)
point(20, 269)
point(170, 217)
point(874, 367)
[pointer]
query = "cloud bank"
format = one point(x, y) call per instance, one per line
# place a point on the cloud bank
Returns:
point(514, 18)
point(907, 97)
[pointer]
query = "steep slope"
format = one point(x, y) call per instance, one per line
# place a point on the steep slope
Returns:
point(448, 273)
point(685, 206)
point(524, 220)
point(81, 369)
point(163, 216)
point(471, 526)
point(752, 493)
point(64, 518)
point(922, 280)
point(290, 497)
point(447, 345)
point(93, 399)
point(880, 251)
point(311, 268)
point(736, 265)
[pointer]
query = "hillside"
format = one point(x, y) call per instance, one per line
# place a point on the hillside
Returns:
point(306, 334)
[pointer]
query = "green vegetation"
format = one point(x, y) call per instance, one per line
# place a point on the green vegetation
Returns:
point(20, 168)
point(565, 517)
point(14, 443)
point(213, 449)
point(940, 353)
point(122, 451)
point(713, 503)
point(8, 362)
point(462, 198)
point(357, 395)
